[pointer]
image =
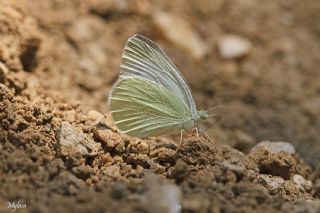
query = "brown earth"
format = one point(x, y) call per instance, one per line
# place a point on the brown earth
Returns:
point(60, 151)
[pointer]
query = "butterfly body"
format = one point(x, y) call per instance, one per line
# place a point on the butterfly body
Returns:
point(151, 97)
point(193, 121)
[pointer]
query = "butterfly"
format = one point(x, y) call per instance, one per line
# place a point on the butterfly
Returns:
point(151, 97)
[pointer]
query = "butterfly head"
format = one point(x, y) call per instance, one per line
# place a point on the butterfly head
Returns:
point(203, 115)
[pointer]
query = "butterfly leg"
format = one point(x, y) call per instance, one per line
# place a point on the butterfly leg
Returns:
point(207, 135)
point(197, 131)
point(181, 134)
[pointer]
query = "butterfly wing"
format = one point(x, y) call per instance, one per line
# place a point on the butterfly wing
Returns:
point(144, 59)
point(143, 108)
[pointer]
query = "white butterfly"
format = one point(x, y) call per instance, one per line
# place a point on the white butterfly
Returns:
point(151, 97)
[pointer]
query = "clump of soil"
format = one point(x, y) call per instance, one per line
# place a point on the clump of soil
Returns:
point(60, 151)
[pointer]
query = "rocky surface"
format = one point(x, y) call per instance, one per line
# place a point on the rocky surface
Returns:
point(60, 151)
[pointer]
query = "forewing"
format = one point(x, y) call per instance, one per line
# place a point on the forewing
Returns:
point(144, 59)
point(142, 108)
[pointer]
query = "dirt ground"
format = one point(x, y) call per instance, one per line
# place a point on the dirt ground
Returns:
point(60, 151)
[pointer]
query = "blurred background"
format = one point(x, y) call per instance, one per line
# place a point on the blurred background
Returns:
point(261, 58)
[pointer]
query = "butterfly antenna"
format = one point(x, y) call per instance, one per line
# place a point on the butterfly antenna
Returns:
point(213, 108)
point(216, 107)
point(212, 115)
point(219, 107)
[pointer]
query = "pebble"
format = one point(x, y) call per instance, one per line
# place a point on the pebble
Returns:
point(232, 46)
point(83, 171)
point(179, 171)
point(238, 169)
point(72, 141)
point(3, 69)
point(244, 141)
point(139, 146)
point(5, 93)
point(112, 171)
point(274, 147)
point(157, 168)
point(110, 138)
point(70, 115)
point(117, 159)
point(161, 197)
point(272, 183)
point(118, 190)
point(180, 33)
point(108, 121)
point(85, 29)
point(197, 204)
point(105, 159)
point(105, 7)
point(301, 183)
point(95, 116)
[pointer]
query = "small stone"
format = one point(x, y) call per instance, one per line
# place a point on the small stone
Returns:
point(180, 33)
point(232, 46)
point(105, 159)
point(5, 93)
point(72, 141)
point(195, 204)
point(139, 169)
point(301, 183)
point(237, 169)
point(272, 183)
point(120, 148)
point(157, 168)
point(83, 171)
point(95, 116)
point(161, 197)
point(90, 83)
point(110, 138)
point(118, 190)
point(138, 159)
point(233, 155)
point(117, 159)
point(179, 171)
point(274, 147)
point(3, 72)
point(139, 146)
point(70, 115)
point(3, 69)
point(112, 171)
point(243, 141)
point(103, 7)
point(108, 121)
point(163, 155)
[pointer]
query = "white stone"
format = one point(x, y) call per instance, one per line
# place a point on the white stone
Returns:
point(3, 68)
point(232, 46)
point(95, 116)
point(161, 196)
point(270, 182)
point(72, 141)
point(274, 147)
point(180, 33)
point(301, 183)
